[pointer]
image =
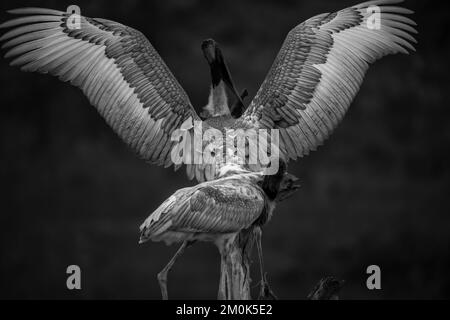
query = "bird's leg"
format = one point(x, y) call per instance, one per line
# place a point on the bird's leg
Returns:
point(265, 291)
point(162, 276)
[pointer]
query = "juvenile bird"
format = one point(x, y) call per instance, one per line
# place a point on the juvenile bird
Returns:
point(218, 211)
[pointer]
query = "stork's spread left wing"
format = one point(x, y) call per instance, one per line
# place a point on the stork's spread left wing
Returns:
point(115, 66)
point(319, 70)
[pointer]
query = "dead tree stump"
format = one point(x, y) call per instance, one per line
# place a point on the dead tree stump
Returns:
point(235, 267)
point(235, 277)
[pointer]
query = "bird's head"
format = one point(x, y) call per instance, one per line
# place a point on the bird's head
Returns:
point(289, 184)
point(280, 185)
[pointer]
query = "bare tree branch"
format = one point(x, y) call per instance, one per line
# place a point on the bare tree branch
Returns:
point(327, 289)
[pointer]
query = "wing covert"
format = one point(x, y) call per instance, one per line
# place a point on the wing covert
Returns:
point(220, 206)
point(223, 208)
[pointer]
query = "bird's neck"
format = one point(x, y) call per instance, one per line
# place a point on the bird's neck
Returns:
point(218, 101)
point(232, 169)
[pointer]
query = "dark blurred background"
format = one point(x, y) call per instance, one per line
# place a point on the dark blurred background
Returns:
point(376, 193)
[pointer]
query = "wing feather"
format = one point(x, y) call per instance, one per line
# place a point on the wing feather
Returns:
point(115, 66)
point(319, 70)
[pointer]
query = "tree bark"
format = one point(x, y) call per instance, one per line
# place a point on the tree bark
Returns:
point(235, 267)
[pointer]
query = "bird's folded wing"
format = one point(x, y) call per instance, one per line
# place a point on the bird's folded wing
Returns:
point(115, 66)
point(223, 208)
point(320, 68)
point(213, 207)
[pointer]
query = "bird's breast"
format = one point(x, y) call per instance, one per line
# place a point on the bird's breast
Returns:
point(221, 122)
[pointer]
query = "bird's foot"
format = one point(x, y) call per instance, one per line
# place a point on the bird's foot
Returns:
point(162, 279)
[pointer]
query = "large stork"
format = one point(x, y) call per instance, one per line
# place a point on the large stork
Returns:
point(306, 93)
point(218, 211)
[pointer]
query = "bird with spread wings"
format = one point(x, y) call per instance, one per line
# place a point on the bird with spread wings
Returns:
point(306, 93)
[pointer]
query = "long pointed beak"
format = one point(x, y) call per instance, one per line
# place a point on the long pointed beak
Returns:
point(219, 68)
point(210, 51)
point(227, 77)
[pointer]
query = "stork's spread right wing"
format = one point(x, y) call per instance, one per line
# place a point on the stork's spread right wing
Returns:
point(320, 68)
point(220, 206)
point(115, 66)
